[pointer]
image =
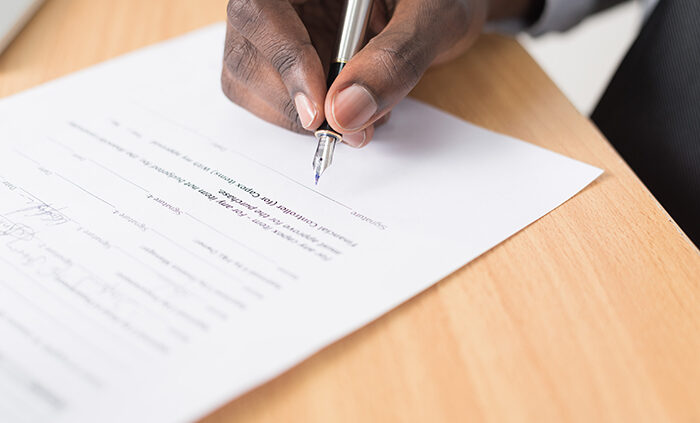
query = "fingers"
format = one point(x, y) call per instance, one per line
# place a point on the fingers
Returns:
point(247, 75)
point(245, 96)
point(361, 138)
point(281, 45)
point(391, 64)
point(272, 68)
point(251, 82)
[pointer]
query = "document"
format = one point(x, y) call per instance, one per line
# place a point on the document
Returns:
point(163, 251)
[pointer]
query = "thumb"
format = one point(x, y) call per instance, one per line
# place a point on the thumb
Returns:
point(392, 63)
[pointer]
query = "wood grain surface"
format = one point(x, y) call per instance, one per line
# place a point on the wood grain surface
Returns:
point(591, 313)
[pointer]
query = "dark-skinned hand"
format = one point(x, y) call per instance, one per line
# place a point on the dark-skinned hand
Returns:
point(277, 54)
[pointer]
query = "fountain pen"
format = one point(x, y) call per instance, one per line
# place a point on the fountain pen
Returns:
point(354, 23)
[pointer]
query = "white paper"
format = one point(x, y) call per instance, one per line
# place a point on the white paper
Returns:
point(162, 250)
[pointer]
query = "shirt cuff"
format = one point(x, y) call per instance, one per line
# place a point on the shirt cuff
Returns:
point(560, 15)
point(557, 15)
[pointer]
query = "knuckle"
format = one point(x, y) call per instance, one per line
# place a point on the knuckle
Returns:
point(289, 110)
point(285, 56)
point(460, 14)
point(436, 25)
point(240, 58)
point(235, 9)
point(244, 14)
point(402, 62)
point(456, 17)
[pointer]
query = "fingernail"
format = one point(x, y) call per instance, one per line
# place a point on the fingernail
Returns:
point(359, 139)
point(306, 110)
point(356, 139)
point(353, 107)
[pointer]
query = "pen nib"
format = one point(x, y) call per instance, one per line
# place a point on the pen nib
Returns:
point(324, 152)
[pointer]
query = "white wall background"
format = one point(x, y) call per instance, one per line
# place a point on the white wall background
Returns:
point(582, 60)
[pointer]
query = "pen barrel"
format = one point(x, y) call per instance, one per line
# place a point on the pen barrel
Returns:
point(353, 24)
point(333, 72)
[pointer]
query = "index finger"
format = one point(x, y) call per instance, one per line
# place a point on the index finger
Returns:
point(277, 32)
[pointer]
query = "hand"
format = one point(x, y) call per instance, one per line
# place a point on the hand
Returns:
point(277, 54)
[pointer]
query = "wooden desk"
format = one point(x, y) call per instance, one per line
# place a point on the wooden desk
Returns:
point(590, 314)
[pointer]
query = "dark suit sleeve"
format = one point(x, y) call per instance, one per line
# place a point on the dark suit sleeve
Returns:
point(560, 15)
